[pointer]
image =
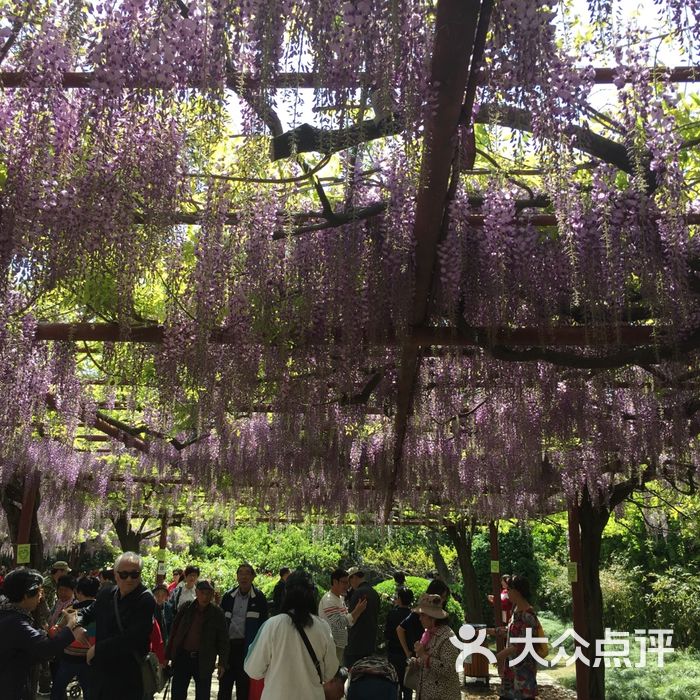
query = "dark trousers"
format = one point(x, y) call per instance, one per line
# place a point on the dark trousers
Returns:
point(112, 684)
point(186, 667)
point(398, 661)
point(234, 673)
point(66, 670)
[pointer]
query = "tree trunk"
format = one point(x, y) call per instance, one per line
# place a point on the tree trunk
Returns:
point(462, 535)
point(593, 519)
point(129, 540)
point(11, 501)
point(438, 559)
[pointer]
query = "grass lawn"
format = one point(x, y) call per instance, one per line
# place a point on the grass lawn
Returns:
point(678, 679)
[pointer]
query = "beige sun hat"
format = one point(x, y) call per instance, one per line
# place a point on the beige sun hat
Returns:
point(430, 605)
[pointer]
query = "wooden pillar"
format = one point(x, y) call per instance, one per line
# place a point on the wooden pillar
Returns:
point(162, 545)
point(496, 581)
point(579, 613)
point(31, 491)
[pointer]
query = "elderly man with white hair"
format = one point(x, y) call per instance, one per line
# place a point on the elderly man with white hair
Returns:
point(123, 618)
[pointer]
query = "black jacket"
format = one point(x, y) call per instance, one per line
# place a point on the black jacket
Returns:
point(255, 616)
point(277, 597)
point(115, 649)
point(362, 636)
point(22, 646)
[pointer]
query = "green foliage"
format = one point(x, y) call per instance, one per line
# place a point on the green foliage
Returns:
point(554, 628)
point(418, 585)
point(674, 603)
point(517, 556)
point(623, 597)
point(555, 590)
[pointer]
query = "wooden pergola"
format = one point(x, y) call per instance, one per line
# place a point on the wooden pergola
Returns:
point(461, 31)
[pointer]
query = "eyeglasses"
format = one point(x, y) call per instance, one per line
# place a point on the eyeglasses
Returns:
point(123, 575)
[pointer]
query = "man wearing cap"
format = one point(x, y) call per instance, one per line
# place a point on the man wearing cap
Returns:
point(362, 636)
point(59, 569)
point(198, 636)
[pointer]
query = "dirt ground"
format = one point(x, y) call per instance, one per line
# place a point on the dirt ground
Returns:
point(548, 692)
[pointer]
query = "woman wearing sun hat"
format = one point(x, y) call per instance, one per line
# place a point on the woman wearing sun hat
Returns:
point(435, 654)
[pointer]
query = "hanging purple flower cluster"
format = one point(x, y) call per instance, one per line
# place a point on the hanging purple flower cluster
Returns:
point(282, 339)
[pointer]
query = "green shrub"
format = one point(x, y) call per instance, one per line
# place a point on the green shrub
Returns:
point(387, 589)
point(623, 597)
point(555, 590)
point(674, 603)
point(554, 628)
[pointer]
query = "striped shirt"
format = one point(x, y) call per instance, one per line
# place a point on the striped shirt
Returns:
point(333, 610)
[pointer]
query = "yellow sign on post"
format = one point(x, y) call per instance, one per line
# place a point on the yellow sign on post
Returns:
point(24, 553)
point(160, 556)
point(495, 566)
point(573, 572)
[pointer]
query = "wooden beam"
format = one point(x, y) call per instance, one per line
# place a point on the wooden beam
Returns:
point(478, 336)
point(31, 493)
point(307, 80)
point(455, 33)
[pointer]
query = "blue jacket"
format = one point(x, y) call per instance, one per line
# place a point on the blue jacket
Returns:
point(256, 615)
point(22, 646)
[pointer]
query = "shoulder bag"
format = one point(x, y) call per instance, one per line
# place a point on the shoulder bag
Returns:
point(152, 676)
point(411, 677)
point(333, 689)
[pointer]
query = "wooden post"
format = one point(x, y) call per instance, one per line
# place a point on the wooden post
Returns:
point(162, 545)
point(575, 576)
point(31, 491)
point(496, 581)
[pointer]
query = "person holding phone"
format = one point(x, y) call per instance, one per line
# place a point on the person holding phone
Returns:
point(21, 644)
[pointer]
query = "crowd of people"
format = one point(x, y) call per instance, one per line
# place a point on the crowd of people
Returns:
point(116, 638)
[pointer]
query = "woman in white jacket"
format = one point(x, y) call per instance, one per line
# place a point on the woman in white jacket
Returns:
point(279, 655)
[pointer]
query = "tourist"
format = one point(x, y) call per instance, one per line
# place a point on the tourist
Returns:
point(198, 636)
point(178, 578)
point(65, 597)
point(278, 591)
point(72, 663)
point(435, 653)
point(160, 593)
point(58, 569)
point(106, 577)
point(245, 608)
point(280, 654)
point(410, 630)
point(123, 619)
point(21, 644)
point(519, 681)
point(185, 592)
point(506, 605)
point(395, 652)
point(362, 635)
point(333, 610)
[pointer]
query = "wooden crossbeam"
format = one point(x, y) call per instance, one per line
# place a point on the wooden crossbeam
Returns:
point(307, 80)
point(548, 336)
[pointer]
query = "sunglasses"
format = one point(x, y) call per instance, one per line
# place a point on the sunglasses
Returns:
point(123, 575)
